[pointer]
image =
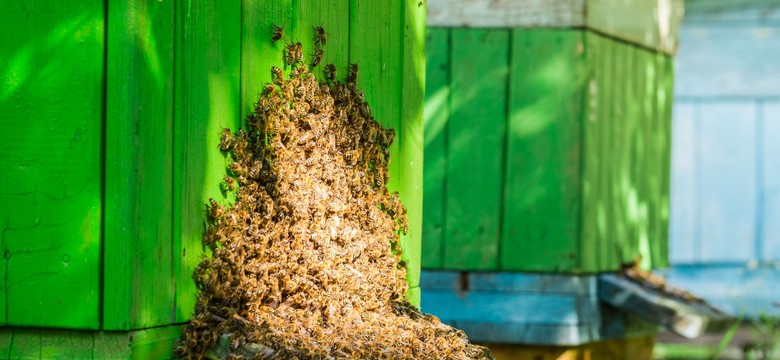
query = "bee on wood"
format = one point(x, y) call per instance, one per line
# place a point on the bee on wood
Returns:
point(268, 89)
point(330, 72)
point(215, 211)
point(276, 74)
point(353, 73)
point(293, 53)
point(228, 184)
point(226, 140)
point(276, 33)
point(320, 36)
point(316, 58)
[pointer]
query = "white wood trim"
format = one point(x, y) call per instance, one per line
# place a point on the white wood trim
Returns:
point(651, 23)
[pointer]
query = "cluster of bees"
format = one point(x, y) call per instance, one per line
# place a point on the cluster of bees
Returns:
point(306, 263)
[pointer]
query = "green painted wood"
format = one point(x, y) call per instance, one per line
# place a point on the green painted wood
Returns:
point(375, 44)
point(586, 174)
point(32, 343)
point(411, 138)
point(331, 15)
point(626, 143)
point(138, 286)
point(542, 181)
point(437, 114)
point(51, 75)
point(475, 145)
point(258, 55)
point(207, 100)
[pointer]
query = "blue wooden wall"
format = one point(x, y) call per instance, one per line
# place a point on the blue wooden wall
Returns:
point(725, 193)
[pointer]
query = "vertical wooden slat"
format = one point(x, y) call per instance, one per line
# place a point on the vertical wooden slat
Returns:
point(475, 138)
point(683, 184)
point(258, 55)
point(728, 161)
point(51, 102)
point(208, 59)
point(664, 96)
point(437, 114)
point(411, 139)
point(771, 182)
point(331, 15)
point(138, 287)
point(542, 171)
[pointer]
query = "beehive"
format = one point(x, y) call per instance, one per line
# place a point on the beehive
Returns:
point(548, 135)
point(547, 139)
point(121, 107)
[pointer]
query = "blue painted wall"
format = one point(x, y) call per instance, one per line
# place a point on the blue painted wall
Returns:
point(725, 195)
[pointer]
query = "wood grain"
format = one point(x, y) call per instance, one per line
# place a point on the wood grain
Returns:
point(51, 103)
point(138, 289)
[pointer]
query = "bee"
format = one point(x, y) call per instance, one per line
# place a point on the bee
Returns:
point(353, 73)
point(215, 211)
point(320, 36)
point(298, 53)
point(276, 74)
point(268, 89)
point(330, 72)
point(226, 140)
point(293, 53)
point(317, 57)
point(229, 183)
point(276, 33)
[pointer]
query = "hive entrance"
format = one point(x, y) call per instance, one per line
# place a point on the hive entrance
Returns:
point(306, 264)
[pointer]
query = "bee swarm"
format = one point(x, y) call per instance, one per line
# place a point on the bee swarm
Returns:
point(306, 264)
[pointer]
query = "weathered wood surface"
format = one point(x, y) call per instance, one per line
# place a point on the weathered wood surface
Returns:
point(526, 308)
point(586, 155)
point(138, 289)
point(652, 24)
point(543, 184)
point(736, 289)
point(51, 106)
point(476, 133)
point(30, 343)
point(733, 61)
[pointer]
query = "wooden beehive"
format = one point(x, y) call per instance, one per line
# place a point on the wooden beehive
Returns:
point(548, 135)
point(547, 139)
point(109, 150)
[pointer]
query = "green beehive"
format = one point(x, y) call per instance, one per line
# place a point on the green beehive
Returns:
point(112, 114)
point(547, 134)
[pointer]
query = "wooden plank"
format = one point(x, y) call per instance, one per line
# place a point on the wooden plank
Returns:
point(411, 137)
point(542, 182)
point(770, 193)
point(508, 282)
point(138, 289)
point(207, 100)
point(738, 290)
point(51, 103)
point(376, 45)
point(156, 343)
point(663, 165)
point(506, 13)
point(527, 334)
point(728, 61)
point(682, 225)
point(25, 344)
point(493, 307)
point(258, 55)
point(475, 146)
point(32, 343)
point(437, 114)
point(653, 24)
point(331, 15)
point(66, 344)
point(727, 181)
